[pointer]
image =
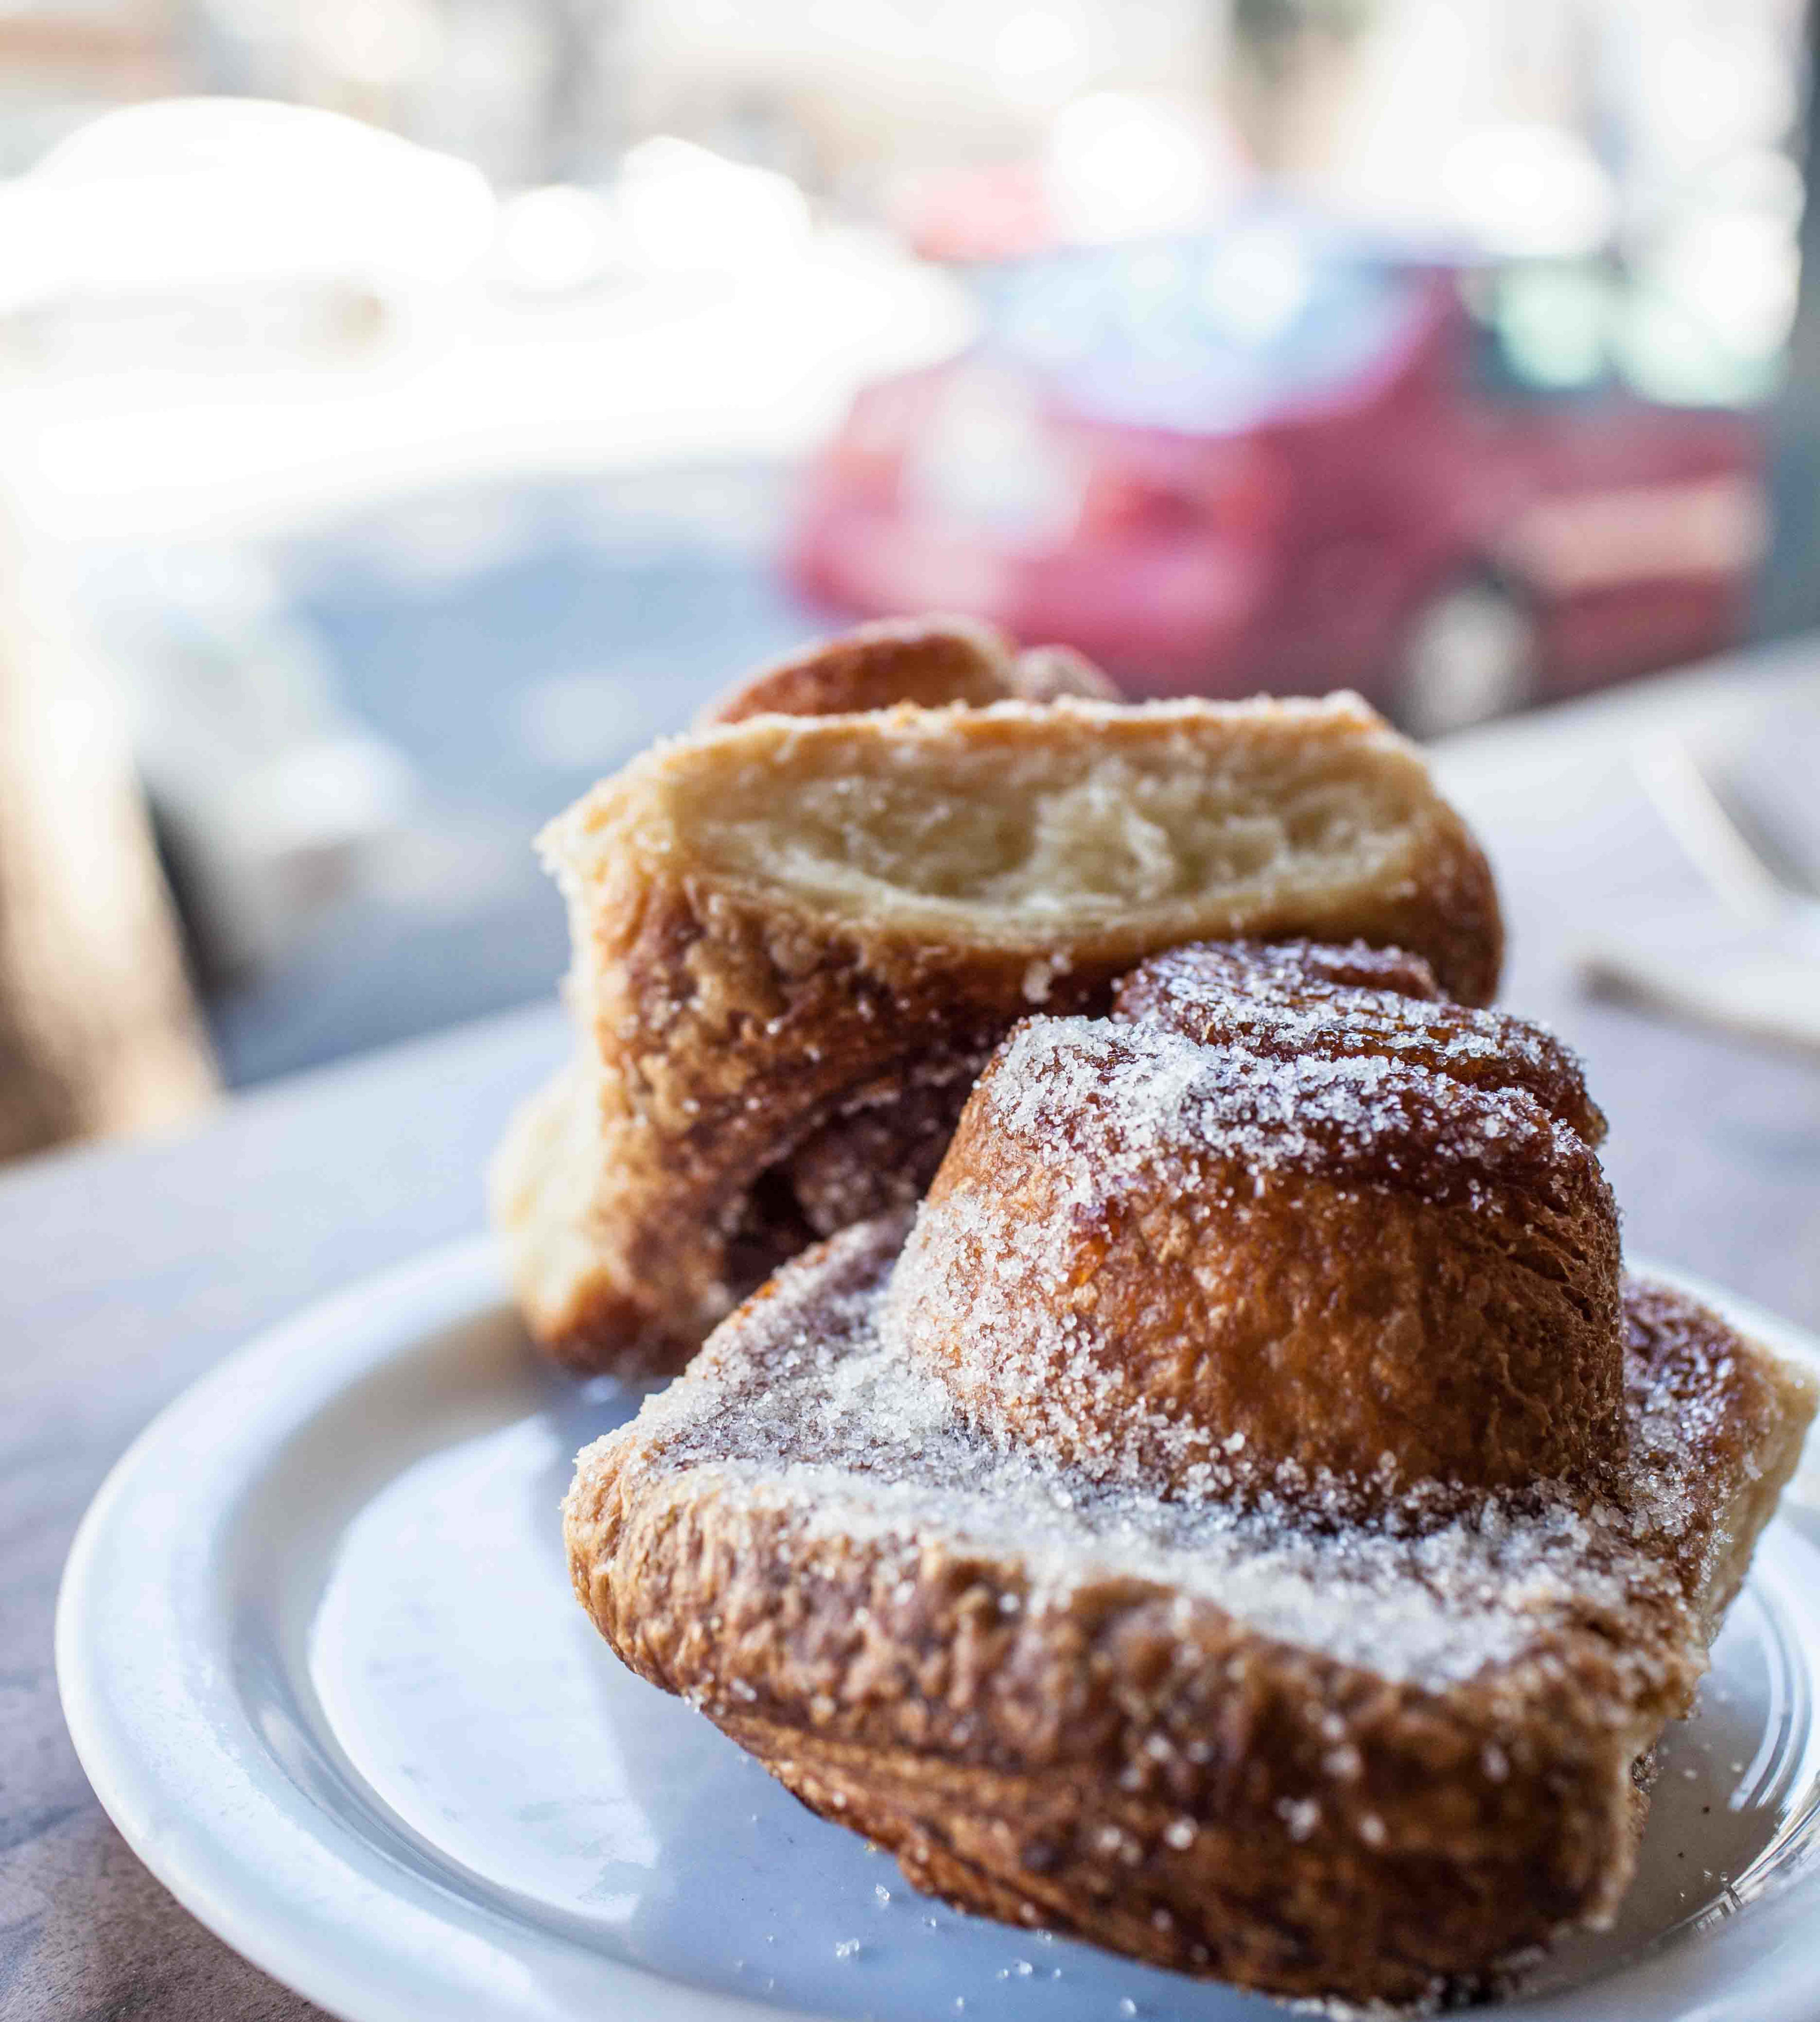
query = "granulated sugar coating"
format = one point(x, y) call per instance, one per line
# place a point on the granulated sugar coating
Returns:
point(1244, 1520)
point(1095, 1129)
point(802, 1404)
point(1275, 1224)
point(988, 1384)
point(1135, 1094)
point(1291, 1000)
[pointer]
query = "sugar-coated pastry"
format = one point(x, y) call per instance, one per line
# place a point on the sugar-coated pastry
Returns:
point(1287, 1219)
point(1139, 1618)
point(797, 939)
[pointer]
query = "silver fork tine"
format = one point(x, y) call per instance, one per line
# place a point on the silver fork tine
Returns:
point(1737, 871)
point(1756, 820)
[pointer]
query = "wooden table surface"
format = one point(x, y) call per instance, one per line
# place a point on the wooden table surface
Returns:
point(125, 1273)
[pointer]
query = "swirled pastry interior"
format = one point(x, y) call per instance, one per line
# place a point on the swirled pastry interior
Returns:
point(797, 939)
point(1110, 1638)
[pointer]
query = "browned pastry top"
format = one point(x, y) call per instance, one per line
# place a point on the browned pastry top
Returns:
point(1284, 1000)
point(930, 662)
point(1287, 1223)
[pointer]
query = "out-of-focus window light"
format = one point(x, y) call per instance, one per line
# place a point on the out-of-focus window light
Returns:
point(1257, 284)
point(1040, 56)
point(1672, 350)
point(186, 204)
point(1740, 266)
point(1553, 322)
point(1704, 87)
point(1527, 189)
point(683, 207)
point(1116, 163)
point(252, 186)
point(556, 239)
point(378, 43)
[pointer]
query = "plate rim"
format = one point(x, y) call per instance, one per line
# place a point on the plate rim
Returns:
point(379, 1971)
point(329, 1345)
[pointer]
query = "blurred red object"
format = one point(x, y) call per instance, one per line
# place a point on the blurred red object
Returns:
point(958, 216)
point(1276, 456)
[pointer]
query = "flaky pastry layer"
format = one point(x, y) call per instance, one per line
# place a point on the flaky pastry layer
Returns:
point(1370, 1761)
point(797, 940)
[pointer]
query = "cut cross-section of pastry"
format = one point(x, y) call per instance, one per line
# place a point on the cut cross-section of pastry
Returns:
point(796, 940)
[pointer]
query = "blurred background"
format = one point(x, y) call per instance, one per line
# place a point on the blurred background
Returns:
point(409, 408)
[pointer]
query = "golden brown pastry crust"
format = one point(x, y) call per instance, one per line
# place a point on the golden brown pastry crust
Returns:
point(762, 1063)
point(1342, 1764)
point(1281, 999)
point(1293, 1222)
point(928, 662)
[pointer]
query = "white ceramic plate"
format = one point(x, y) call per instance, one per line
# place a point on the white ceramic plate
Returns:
point(320, 1657)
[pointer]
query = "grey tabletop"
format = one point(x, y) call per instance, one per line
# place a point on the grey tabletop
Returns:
point(124, 1273)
